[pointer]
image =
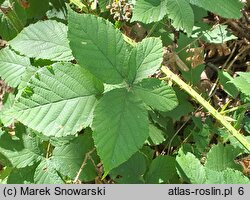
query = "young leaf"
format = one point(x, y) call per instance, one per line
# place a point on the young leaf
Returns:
point(222, 157)
point(120, 127)
point(156, 94)
point(59, 100)
point(12, 66)
point(145, 59)
point(190, 168)
point(149, 11)
point(157, 172)
point(97, 45)
point(182, 15)
point(46, 173)
point(72, 155)
point(44, 39)
point(224, 8)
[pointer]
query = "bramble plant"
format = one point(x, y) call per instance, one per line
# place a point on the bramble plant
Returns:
point(93, 104)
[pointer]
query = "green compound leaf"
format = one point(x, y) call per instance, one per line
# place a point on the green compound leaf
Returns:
point(46, 173)
point(224, 8)
point(72, 155)
point(190, 168)
point(242, 82)
point(12, 66)
point(148, 11)
point(222, 157)
point(21, 150)
point(156, 94)
point(182, 15)
point(44, 39)
point(59, 100)
point(99, 46)
point(162, 170)
point(120, 127)
point(145, 59)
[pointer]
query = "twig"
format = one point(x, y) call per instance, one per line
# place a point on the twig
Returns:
point(235, 108)
point(240, 30)
point(194, 41)
point(176, 133)
point(207, 106)
point(13, 18)
point(230, 56)
point(87, 156)
point(237, 56)
point(48, 150)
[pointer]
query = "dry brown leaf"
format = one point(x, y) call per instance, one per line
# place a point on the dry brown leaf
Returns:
point(197, 57)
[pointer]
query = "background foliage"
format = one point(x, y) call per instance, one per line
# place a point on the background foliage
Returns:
point(90, 92)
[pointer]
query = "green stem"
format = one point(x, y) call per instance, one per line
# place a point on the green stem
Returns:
point(207, 106)
point(235, 108)
point(11, 15)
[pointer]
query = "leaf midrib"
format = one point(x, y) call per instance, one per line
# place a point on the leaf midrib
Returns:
point(55, 102)
point(93, 41)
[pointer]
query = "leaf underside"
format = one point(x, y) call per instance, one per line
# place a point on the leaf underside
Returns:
point(12, 67)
